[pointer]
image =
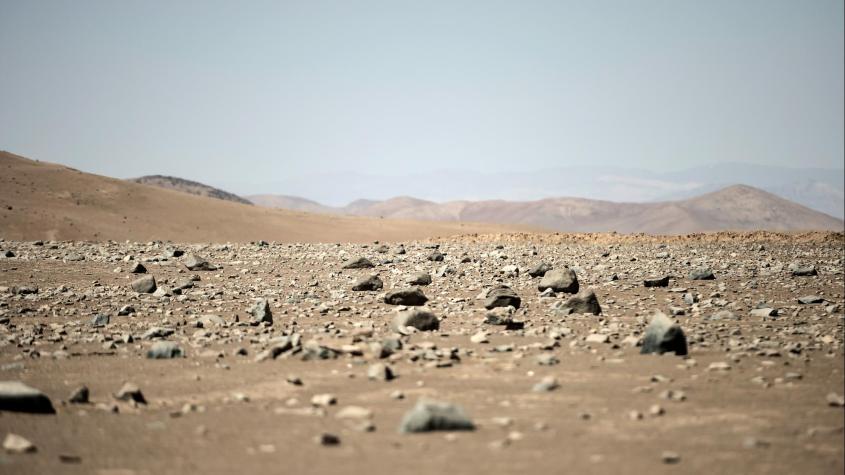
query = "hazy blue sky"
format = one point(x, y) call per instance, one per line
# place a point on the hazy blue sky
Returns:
point(238, 91)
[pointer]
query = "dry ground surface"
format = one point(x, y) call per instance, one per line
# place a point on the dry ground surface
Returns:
point(755, 394)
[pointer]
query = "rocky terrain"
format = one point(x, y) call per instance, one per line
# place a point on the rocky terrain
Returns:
point(189, 186)
point(502, 353)
point(736, 207)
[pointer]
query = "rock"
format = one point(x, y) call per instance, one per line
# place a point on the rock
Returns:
point(16, 396)
point(195, 262)
point(260, 312)
point(372, 282)
point(428, 415)
point(549, 383)
point(480, 337)
point(663, 336)
point(559, 280)
point(539, 270)
point(657, 282)
point(420, 278)
point(411, 297)
point(162, 350)
point(327, 440)
point(810, 299)
point(502, 297)
point(157, 332)
point(323, 400)
point(835, 400)
point(79, 395)
point(670, 458)
point(16, 444)
point(380, 372)
point(597, 338)
point(435, 257)
point(125, 310)
point(702, 273)
point(130, 392)
point(799, 270)
point(100, 321)
point(500, 316)
point(144, 285)
point(138, 268)
point(420, 318)
point(547, 359)
point(354, 412)
point(763, 312)
point(359, 263)
point(585, 302)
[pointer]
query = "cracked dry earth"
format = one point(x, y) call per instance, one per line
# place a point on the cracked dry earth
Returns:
point(550, 391)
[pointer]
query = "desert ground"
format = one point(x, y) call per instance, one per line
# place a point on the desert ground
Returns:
point(265, 359)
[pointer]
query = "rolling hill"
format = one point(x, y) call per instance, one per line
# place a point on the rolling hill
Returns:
point(188, 186)
point(40, 200)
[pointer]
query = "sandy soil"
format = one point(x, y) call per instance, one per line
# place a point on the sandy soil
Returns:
point(767, 414)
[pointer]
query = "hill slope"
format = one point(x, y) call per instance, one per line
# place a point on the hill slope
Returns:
point(41, 200)
point(736, 207)
point(188, 186)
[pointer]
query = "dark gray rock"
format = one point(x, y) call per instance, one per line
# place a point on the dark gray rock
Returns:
point(411, 297)
point(165, 350)
point(702, 273)
point(420, 318)
point(144, 285)
point(138, 268)
point(427, 416)
point(79, 395)
point(157, 332)
point(16, 396)
point(657, 282)
point(421, 278)
point(539, 270)
point(130, 392)
point(195, 262)
point(502, 297)
point(372, 282)
point(559, 280)
point(436, 257)
point(584, 302)
point(359, 263)
point(663, 335)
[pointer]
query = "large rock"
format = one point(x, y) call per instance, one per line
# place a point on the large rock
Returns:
point(502, 297)
point(657, 282)
point(420, 318)
point(360, 263)
point(663, 335)
point(799, 270)
point(560, 280)
point(539, 270)
point(195, 262)
point(260, 312)
point(144, 285)
point(420, 278)
point(372, 282)
point(429, 416)
point(584, 302)
point(412, 297)
point(164, 350)
point(16, 396)
point(702, 273)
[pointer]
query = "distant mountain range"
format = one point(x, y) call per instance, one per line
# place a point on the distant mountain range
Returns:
point(188, 186)
point(737, 207)
point(822, 189)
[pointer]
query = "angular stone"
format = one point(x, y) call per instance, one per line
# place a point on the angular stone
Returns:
point(144, 285)
point(260, 312)
point(16, 444)
point(664, 336)
point(359, 263)
point(657, 282)
point(539, 270)
point(560, 280)
point(130, 392)
point(584, 302)
point(502, 297)
point(380, 372)
point(420, 278)
point(195, 262)
point(810, 299)
point(100, 321)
